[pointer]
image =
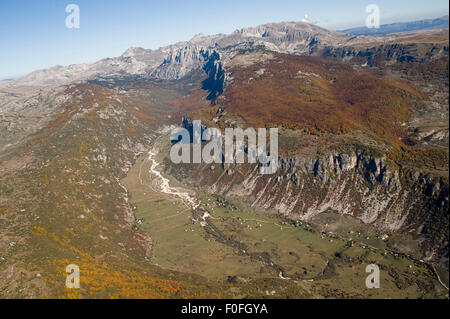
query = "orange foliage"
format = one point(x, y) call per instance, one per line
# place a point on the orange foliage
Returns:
point(141, 116)
point(46, 181)
point(100, 279)
point(60, 119)
point(41, 231)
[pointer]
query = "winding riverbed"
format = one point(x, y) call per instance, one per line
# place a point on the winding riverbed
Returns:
point(163, 185)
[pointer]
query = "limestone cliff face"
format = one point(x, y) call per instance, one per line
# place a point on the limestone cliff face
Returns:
point(356, 184)
point(180, 61)
point(390, 55)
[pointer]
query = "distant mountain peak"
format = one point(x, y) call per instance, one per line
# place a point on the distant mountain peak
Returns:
point(426, 24)
point(133, 51)
point(197, 37)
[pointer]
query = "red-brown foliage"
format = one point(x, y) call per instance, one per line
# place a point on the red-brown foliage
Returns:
point(319, 96)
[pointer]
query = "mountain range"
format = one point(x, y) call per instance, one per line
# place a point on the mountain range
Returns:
point(438, 23)
point(86, 177)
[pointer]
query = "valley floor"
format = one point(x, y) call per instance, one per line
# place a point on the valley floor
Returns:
point(223, 241)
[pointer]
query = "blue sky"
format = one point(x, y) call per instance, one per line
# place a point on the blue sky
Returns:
point(33, 34)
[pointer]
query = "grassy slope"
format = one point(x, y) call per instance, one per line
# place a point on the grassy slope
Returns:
point(67, 207)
